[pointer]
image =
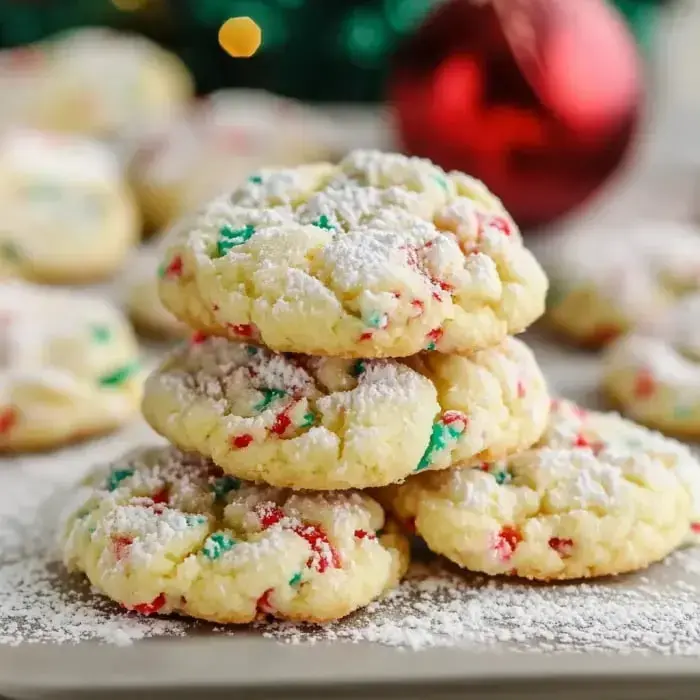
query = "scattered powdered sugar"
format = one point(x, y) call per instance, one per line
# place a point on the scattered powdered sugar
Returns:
point(657, 611)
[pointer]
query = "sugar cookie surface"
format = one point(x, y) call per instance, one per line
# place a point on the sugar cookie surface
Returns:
point(164, 532)
point(330, 423)
point(653, 374)
point(67, 214)
point(69, 367)
point(596, 496)
point(607, 281)
point(215, 145)
point(380, 256)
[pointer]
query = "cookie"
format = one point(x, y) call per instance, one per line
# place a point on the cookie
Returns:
point(22, 70)
point(164, 532)
point(68, 217)
point(215, 145)
point(69, 368)
point(380, 256)
point(139, 289)
point(106, 83)
point(331, 423)
point(608, 281)
point(598, 495)
point(653, 374)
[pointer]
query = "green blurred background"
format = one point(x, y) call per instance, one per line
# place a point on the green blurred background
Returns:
point(317, 50)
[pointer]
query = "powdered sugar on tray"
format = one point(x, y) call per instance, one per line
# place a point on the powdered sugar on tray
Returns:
point(658, 611)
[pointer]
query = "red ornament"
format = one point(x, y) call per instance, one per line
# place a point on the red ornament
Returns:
point(538, 98)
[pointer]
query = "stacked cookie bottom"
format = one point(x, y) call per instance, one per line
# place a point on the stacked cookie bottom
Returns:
point(294, 480)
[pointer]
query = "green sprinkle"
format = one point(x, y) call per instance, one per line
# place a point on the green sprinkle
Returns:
point(357, 368)
point(255, 179)
point(91, 530)
point(683, 411)
point(442, 182)
point(269, 395)
point(431, 346)
point(192, 520)
point(440, 436)
point(322, 222)
point(161, 270)
point(295, 580)
point(453, 432)
point(502, 477)
point(380, 533)
point(251, 350)
point(217, 544)
point(117, 476)
point(120, 375)
point(100, 334)
point(230, 238)
point(377, 320)
point(308, 419)
point(10, 251)
point(224, 484)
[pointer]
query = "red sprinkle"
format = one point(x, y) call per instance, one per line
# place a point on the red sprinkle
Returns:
point(318, 540)
point(445, 286)
point(435, 334)
point(397, 295)
point(436, 296)
point(362, 534)
point(282, 422)
point(521, 390)
point(121, 546)
point(449, 417)
point(263, 604)
point(8, 420)
point(419, 306)
point(149, 608)
point(367, 335)
point(484, 466)
point(241, 441)
point(581, 441)
point(581, 413)
point(246, 330)
point(507, 542)
point(269, 515)
point(562, 546)
point(695, 527)
point(198, 337)
point(163, 496)
point(497, 222)
point(174, 269)
point(644, 386)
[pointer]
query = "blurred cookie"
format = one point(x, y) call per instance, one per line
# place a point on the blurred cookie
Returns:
point(216, 145)
point(68, 216)
point(598, 495)
point(653, 374)
point(139, 289)
point(605, 282)
point(102, 82)
point(69, 367)
point(162, 532)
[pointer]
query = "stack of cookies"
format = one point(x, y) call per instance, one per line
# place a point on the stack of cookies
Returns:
point(352, 331)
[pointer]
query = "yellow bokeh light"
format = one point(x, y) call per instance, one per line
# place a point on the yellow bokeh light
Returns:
point(240, 37)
